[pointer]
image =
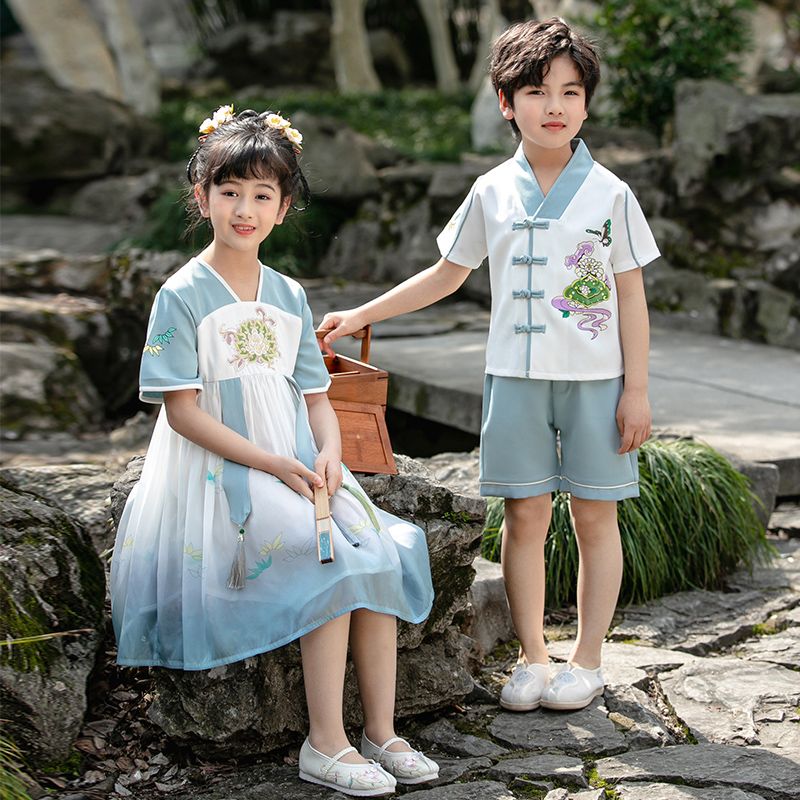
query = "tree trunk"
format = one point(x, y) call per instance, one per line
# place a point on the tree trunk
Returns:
point(490, 24)
point(69, 44)
point(138, 76)
point(437, 20)
point(350, 49)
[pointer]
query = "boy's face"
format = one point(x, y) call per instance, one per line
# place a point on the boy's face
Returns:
point(549, 115)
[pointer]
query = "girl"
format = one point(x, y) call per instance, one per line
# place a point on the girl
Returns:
point(215, 558)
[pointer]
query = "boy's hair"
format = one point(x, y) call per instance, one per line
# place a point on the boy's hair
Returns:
point(245, 147)
point(521, 56)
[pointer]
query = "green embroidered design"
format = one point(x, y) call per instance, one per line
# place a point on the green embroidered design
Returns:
point(265, 563)
point(159, 340)
point(359, 526)
point(213, 477)
point(605, 234)
point(252, 341)
point(587, 292)
point(195, 553)
point(364, 500)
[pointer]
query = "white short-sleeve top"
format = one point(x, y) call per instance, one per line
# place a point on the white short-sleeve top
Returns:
point(552, 261)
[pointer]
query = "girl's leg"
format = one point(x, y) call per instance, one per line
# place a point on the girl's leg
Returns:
point(324, 654)
point(373, 647)
point(522, 555)
point(599, 575)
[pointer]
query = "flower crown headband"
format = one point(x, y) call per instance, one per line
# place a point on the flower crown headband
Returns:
point(225, 114)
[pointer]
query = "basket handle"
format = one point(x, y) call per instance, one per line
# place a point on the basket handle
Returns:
point(365, 334)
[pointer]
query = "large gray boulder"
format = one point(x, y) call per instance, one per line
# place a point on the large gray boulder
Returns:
point(51, 580)
point(258, 704)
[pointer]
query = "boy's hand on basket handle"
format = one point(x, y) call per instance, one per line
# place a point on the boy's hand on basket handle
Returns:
point(340, 323)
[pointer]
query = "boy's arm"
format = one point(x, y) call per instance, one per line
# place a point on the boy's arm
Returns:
point(420, 290)
point(633, 410)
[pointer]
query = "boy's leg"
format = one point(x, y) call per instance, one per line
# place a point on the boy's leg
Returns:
point(522, 556)
point(599, 575)
point(324, 653)
point(373, 647)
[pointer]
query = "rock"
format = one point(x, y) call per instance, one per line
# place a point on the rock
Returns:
point(44, 389)
point(71, 236)
point(583, 732)
point(750, 769)
point(764, 481)
point(51, 271)
point(727, 143)
point(478, 790)
point(722, 700)
point(444, 735)
point(490, 623)
point(785, 518)
point(667, 791)
point(67, 135)
point(340, 169)
point(258, 704)
point(778, 578)
point(769, 312)
point(557, 768)
point(79, 490)
point(774, 227)
point(632, 710)
point(52, 581)
point(389, 58)
point(277, 51)
point(453, 769)
point(488, 129)
point(699, 621)
point(457, 471)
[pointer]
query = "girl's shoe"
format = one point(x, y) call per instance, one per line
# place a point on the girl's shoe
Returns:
point(573, 687)
point(523, 692)
point(358, 780)
point(408, 767)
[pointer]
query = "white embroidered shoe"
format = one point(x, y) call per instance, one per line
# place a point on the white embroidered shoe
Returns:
point(523, 692)
point(358, 780)
point(407, 767)
point(573, 687)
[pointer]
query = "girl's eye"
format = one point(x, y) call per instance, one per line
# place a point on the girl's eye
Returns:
point(229, 192)
point(264, 197)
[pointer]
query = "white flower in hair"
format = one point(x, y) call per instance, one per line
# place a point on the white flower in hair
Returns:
point(277, 121)
point(221, 115)
point(294, 136)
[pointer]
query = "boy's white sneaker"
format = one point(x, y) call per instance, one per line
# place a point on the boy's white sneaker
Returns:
point(523, 692)
point(358, 780)
point(573, 687)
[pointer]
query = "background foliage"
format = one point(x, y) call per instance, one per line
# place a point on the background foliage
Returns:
point(692, 525)
point(652, 44)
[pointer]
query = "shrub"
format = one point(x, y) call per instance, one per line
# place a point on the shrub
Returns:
point(652, 44)
point(693, 523)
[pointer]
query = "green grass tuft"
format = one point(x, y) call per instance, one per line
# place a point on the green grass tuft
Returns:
point(12, 777)
point(693, 523)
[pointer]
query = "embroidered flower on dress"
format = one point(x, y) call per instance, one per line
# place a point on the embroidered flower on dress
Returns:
point(159, 340)
point(253, 341)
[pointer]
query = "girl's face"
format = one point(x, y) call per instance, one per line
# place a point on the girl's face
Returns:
point(243, 212)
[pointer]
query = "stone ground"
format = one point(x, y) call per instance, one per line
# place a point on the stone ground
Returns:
point(702, 703)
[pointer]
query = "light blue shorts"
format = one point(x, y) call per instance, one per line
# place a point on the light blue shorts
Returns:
point(538, 436)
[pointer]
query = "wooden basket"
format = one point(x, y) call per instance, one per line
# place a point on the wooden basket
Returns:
point(358, 394)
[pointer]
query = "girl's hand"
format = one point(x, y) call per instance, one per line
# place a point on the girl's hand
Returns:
point(633, 420)
point(340, 323)
point(329, 465)
point(296, 475)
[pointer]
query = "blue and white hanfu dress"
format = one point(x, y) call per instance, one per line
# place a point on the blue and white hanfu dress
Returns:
point(251, 363)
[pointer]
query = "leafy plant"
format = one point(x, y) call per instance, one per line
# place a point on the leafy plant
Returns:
point(652, 44)
point(12, 777)
point(693, 523)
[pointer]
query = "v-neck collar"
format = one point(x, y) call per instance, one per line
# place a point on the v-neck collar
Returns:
point(552, 205)
point(227, 285)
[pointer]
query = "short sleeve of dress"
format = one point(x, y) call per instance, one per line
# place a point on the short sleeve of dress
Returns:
point(310, 372)
point(632, 241)
point(169, 360)
point(463, 240)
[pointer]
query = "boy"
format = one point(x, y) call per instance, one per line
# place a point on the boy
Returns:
point(566, 241)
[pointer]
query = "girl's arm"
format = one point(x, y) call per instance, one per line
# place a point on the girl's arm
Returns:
point(420, 290)
point(633, 410)
point(325, 427)
point(191, 422)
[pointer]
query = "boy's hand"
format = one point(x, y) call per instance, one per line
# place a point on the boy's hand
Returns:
point(329, 465)
point(340, 323)
point(297, 476)
point(633, 420)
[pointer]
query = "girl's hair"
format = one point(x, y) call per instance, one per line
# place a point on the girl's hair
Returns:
point(245, 146)
point(521, 56)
